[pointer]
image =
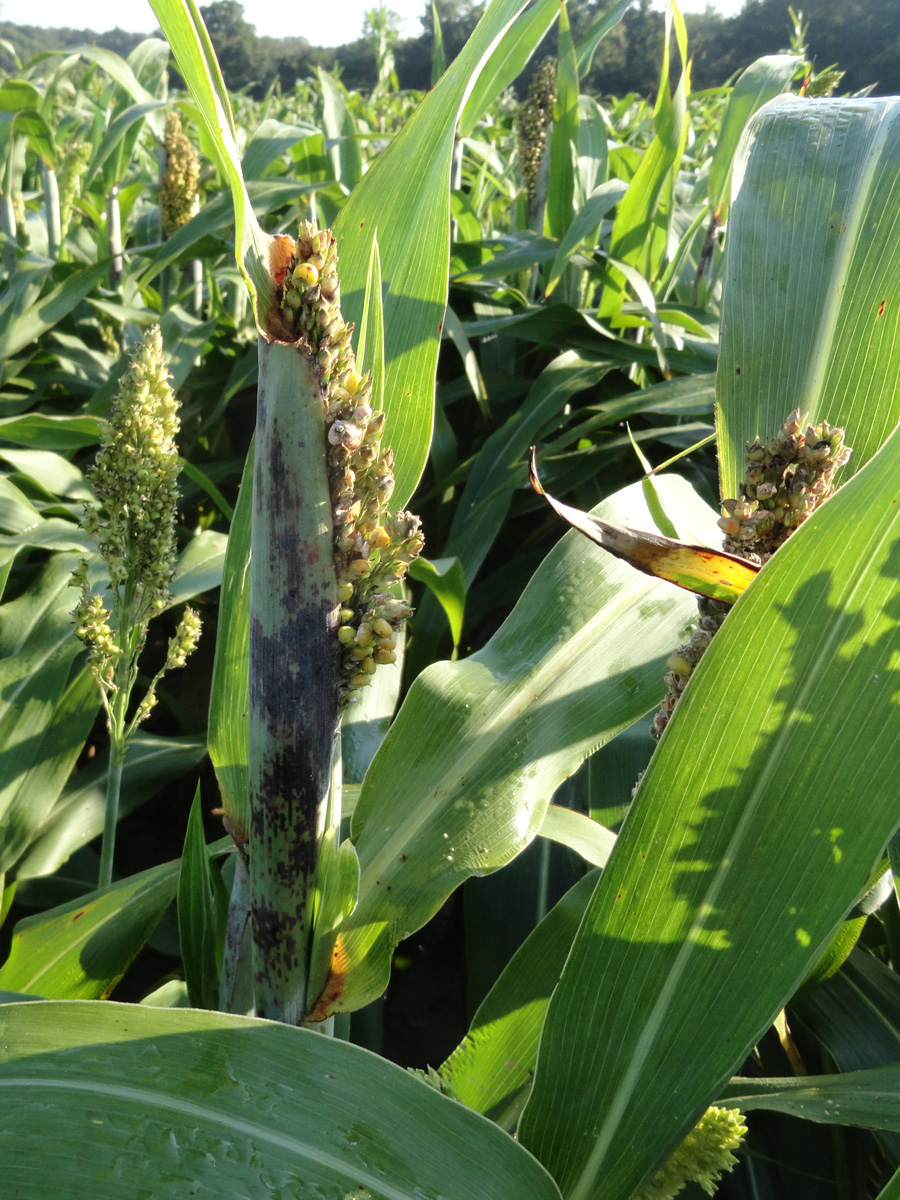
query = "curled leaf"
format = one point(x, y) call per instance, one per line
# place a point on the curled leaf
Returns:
point(697, 569)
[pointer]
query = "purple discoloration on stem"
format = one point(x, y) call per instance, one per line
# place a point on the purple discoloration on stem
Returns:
point(294, 660)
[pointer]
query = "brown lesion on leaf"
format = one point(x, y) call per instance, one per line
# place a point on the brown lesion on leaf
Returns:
point(334, 984)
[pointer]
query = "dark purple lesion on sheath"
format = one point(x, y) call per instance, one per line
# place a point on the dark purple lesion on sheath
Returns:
point(294, 674)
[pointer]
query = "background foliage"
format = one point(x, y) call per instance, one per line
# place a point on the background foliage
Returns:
point(587, 318)
point(863, 36)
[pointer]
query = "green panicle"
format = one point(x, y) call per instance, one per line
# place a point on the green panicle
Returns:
point(135, 480)
point(178, 186)
point(74, 163)
point(702, 1158)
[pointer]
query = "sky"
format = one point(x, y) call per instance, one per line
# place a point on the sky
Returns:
point(344, 23)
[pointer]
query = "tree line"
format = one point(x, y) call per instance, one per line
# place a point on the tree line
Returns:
point(861, 36)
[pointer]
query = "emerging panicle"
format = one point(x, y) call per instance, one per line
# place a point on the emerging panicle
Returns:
point(73, 164)
point(702, 1158)
point(372, 547)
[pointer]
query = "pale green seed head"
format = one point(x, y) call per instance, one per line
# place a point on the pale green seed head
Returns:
point(135, 478)
point(703, 1157)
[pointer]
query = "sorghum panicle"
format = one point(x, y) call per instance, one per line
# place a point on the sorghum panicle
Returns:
point(785, 480)
point(135, 478)
point(372, 547)
point(533, 123)
point(92, 627)
point(135, 481)
point(178, 186)
point(703, 1157)
point(75, 159)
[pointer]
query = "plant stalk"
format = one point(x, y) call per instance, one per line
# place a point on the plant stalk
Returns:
point(117, 749)
point(51, 206)
point(8, 228)
point(114, 237)
point(294, 661)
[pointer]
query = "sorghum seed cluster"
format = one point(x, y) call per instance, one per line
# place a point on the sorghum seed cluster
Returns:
point(533, 123)
point(372, 547)
point(178, 186)
point(785, 480)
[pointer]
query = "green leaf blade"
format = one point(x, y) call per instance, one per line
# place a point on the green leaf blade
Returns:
point(493, 736)
point(761, 82)
point(406, 194)
point(818, 328)
point(741, 843)
point(80, 950)
point(267, 1104)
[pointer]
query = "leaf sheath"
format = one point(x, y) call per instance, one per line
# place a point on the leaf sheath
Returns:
point(293, 673)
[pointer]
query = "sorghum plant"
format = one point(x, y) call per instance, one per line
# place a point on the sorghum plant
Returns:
point(135, 480)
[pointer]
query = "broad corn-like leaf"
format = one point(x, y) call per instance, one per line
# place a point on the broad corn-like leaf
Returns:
point(38, 318)
point(492, 737)
point(202, 905)
point(229, 730)
point(484, 504)
point(637, 238)
point(162, 1102)
point(745, 840)
point(406, 194)
point(695, 568)
point(762, 81)
point(584, 49)
point(867, 1098)
point(80, 950)
point(492, 1068)
point(585, 225)
point(445, 579)
point(47, 706)
point(594, 842)
point(811, 312)
point(370, 341)
point(564, 135)
point(339, 129)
